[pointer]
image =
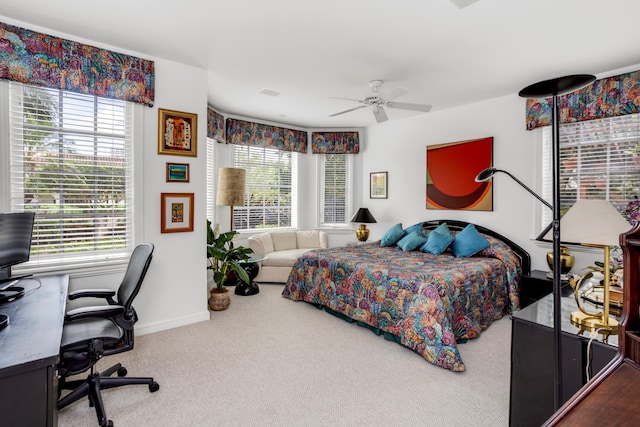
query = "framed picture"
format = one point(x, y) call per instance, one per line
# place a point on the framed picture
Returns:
point(378, 185)
point(451, 171)
point(177, 172)
point(176, 212)
point(177, 133)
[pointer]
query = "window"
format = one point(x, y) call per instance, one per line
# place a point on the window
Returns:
point(71, 161)
point(211, 200)
point(335, 194)
point(270, 191)
point(599, 159)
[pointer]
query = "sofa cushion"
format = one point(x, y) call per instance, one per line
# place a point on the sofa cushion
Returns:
point(283, 240)
point(308, 239)
point(261, 243)
point(284, 258)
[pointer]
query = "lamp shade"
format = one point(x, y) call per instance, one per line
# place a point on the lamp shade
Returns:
point(595, 222)
point(364, 216)
point(231, 185)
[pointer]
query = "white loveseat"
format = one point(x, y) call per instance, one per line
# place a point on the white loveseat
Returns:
point(282, 249)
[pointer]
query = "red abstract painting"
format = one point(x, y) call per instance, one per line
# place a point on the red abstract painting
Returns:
point(451, 172)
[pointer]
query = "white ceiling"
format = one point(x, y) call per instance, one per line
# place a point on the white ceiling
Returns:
point(311, 51)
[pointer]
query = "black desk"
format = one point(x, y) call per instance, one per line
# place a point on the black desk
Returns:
point(533, 359)
point(29, 349)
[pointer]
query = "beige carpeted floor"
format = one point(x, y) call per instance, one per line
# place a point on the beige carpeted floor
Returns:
point(268, 361)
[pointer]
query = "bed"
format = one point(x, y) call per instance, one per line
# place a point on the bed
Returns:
point(428, 303)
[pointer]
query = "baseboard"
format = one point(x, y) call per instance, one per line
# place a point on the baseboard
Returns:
point(149, 328)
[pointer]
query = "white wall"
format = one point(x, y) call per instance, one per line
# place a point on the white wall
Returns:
point(175, 290)
point(399, 147)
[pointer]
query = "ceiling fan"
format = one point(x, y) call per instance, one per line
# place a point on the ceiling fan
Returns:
point(377, 102)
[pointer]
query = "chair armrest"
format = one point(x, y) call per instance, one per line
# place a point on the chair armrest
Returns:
point(94, 293)
point(96, 311)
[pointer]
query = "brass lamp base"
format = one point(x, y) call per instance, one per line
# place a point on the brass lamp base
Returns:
point(566, 261)
point(362, 233)
point(594, 323)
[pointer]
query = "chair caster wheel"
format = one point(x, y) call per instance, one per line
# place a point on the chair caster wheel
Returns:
point(109, 423)
point(153, 387)
point(122, 372)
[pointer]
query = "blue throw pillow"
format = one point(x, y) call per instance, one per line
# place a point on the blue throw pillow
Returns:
point(415, 227)
point(394, 234)
point(411, 241)
point(444, 230)
point(436, 243)
point(468, 242)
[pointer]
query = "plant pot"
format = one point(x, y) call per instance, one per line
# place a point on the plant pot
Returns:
point(219, 299)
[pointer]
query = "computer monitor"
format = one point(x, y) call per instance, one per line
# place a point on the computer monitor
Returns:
point(15, 241)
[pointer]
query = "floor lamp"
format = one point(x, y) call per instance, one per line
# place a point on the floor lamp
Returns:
point(231, 185)
point(544, 89)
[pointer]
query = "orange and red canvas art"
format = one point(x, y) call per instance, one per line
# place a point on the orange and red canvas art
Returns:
point(451, 172)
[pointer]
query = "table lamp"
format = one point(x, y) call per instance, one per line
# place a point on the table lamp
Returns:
point(231, 185)
point(364, 217)
point(597, 224)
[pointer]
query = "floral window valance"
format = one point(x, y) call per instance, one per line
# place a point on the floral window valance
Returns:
point(215, 125)
point(335, 143)
point(241, 132)
point(609, 97)
point(40, 59)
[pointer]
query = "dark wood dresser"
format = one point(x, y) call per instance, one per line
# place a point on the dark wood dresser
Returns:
point(611, 397)
point(532, 360)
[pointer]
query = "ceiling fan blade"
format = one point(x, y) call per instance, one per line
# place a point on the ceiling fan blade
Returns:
point(380, 114)
point(350, 109)
point(345, 99)
point(409, 106)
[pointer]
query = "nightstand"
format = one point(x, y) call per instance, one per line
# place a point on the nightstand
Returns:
point(537, 285)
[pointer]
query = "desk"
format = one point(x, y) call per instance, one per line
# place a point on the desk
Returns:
point(533, 355)
point(29, 349)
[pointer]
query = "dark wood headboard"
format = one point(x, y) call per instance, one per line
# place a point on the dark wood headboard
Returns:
point(455, 225)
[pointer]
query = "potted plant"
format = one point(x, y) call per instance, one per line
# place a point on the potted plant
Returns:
point(224, 260)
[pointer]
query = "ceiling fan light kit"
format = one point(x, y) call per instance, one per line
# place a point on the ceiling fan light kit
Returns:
point(377, 102)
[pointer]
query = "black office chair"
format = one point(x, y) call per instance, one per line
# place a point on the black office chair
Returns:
point(93, 332)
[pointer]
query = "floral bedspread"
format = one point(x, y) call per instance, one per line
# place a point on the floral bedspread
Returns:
point(429, 302)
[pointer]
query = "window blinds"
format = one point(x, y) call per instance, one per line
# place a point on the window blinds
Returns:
point(599, 159)
point(270, 191)
point(72, 163)
point(334, 194)
point(210, 180)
